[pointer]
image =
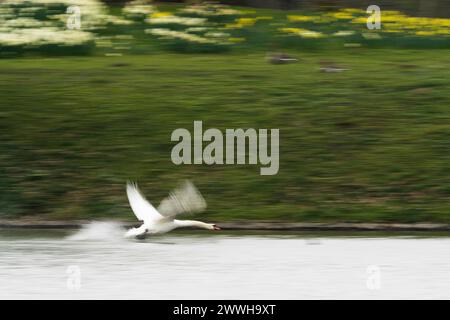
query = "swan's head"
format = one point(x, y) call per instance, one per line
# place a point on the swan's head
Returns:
point(214, 227)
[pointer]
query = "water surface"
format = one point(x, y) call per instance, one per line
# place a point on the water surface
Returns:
point(45, 264)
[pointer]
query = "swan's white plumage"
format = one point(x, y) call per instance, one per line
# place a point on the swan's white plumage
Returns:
point(134, 232)
point(143, 210)
point(186, 199)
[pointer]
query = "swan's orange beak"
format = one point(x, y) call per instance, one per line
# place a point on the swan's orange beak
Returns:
point(216, 227)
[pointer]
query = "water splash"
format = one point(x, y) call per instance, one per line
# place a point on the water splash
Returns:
point(99, 231)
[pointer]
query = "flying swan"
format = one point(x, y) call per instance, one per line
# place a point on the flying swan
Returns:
point(185, 199)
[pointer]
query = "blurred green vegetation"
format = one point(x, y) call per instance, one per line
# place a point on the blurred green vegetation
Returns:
point(40, 27)
point(256, 29)
point(368, 144)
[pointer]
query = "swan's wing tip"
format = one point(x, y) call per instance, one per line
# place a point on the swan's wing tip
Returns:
point(131, 183)
point(132, 186)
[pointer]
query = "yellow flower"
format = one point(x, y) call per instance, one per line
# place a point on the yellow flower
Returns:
point(246, 22)
point(425, 33)
point(304, 33)
point(391, 13)
point(241, 23)
point(443, 31)
point(160, 15)
point(392, 30)
point(441, 22)
point(362, 20)
point(290, 30)
point(300, 18)
point(341, 15)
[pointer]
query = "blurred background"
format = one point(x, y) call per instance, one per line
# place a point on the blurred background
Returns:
point(90, 101)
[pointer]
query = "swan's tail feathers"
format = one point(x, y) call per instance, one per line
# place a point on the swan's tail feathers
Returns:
point(184, 199)
point(134, 232)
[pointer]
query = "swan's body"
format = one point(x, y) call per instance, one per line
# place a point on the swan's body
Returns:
point(185, 199)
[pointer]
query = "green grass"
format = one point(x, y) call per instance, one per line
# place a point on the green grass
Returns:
point(368, 144)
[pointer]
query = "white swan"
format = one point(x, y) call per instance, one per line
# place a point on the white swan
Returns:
point(185, 199)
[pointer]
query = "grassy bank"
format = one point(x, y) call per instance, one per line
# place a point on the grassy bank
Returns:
point(368, 144)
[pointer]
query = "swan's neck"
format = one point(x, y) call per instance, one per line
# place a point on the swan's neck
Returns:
point(191, 223)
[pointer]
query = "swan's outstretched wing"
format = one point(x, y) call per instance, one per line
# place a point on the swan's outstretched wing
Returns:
point(185, 199)
point(143, 210)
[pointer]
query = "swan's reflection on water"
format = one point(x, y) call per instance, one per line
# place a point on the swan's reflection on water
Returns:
point(72, 265)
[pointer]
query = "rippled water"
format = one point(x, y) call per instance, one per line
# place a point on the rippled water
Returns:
point(93, 264)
